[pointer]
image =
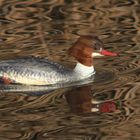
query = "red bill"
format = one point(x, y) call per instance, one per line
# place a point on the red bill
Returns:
point(108, 53)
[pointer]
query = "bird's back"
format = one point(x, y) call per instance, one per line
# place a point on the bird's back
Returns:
point(32, 70)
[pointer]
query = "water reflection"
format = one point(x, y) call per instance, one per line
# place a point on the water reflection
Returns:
point(81, 100)
point(87, 101)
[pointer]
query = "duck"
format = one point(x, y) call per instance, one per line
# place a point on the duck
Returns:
point(42, 71)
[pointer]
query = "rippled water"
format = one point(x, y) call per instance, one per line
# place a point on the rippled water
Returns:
point(105, 109)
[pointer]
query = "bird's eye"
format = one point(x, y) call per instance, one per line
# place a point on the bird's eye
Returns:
point(96, 46)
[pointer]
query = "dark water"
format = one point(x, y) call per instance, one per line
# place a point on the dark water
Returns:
point(103, 110)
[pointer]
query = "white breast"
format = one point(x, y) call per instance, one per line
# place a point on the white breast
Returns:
point(84, 71)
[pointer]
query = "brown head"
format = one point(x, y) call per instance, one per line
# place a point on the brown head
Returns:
point(88, 47)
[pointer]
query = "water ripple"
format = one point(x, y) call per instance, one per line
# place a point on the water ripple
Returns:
point(49, 28)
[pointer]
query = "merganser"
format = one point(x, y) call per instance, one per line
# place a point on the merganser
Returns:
point(41, 71)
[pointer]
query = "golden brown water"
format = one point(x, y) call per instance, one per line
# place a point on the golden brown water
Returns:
point(49, 28)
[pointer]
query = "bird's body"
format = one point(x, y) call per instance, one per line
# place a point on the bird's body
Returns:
point(37, 71)
point(41, 71)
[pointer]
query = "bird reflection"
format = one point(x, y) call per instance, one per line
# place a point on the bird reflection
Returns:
point(81, 101)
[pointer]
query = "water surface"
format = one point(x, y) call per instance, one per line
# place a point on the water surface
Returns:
point(102, 110)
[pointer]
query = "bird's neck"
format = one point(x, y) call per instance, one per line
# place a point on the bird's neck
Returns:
point(83, 70)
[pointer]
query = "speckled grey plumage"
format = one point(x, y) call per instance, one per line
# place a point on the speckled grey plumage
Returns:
point(42, 71)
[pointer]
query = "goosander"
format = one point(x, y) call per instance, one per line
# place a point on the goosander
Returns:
point(42, 71)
